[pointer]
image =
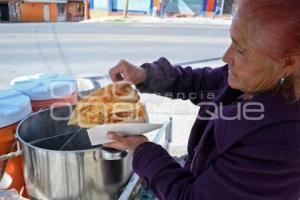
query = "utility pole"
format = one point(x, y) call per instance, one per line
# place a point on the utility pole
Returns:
point(126, 8)
point(86, 9)
point(222, 7)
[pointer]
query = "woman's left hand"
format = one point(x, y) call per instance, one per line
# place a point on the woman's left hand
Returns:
point(125, 143)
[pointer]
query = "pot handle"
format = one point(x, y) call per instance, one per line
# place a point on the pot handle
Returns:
point(10, 155)
point(5, 157)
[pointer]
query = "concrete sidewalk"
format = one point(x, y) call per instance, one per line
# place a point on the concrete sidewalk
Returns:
point(166, 20)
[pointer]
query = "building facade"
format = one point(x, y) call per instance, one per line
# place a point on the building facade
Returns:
point(41, 10)
point(100, 8)
point(152, 7)
point(9, 10)
point(74, 10)
point(52, 10)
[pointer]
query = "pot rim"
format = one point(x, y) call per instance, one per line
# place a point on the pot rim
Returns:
point(114, 153)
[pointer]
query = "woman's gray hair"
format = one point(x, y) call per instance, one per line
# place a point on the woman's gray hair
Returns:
point(276, 28)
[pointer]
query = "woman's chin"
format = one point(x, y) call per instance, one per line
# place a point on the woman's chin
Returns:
point(233, 83)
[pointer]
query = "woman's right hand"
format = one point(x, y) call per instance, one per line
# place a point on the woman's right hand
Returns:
point(125, 71)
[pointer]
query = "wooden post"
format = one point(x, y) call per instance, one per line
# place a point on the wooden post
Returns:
point(126, 8)
point(86, 9)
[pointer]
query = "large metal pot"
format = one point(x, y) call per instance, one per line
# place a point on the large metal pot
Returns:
point(79, 170)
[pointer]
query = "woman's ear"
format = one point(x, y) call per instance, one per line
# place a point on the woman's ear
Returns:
point(291, 64)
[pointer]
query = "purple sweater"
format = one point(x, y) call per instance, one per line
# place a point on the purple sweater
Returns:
point(238, 159)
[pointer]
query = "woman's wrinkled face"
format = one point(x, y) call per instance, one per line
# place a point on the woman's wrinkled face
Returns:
point(248, 70)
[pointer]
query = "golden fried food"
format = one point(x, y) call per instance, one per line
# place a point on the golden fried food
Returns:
point(110, 104)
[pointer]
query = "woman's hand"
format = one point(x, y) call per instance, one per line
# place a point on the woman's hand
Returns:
point(124, 71)
point(125, 143)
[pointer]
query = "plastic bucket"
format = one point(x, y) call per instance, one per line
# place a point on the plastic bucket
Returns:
point(40, 104)
point(13, 169)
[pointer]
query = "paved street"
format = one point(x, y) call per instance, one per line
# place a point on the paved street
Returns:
point(92, 48)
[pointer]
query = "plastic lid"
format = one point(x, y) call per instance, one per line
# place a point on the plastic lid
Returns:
point(14, 106)
point(45, 86)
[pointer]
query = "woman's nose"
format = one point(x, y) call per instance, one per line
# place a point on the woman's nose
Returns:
point(228, 55)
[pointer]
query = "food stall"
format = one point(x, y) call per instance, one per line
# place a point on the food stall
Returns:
point(60, 162)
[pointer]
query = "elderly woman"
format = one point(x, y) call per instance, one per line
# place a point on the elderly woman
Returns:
point(245, 142)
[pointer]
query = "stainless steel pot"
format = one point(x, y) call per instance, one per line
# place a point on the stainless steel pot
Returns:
point(79, 170)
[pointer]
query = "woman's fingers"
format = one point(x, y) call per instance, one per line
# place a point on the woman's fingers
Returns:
point(125, 143)
point(119, 142)
point(127, 72)
point(123, 84)
point(114, 145)
point(115, 137)
point(119, 72)
point(115, 73)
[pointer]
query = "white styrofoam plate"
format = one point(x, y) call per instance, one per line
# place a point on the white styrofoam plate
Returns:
point(98, 134)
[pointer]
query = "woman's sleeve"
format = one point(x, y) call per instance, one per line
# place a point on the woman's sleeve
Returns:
point(185, 83)
point(242, 173)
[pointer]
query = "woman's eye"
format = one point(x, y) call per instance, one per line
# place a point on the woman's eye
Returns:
point(239, 51)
